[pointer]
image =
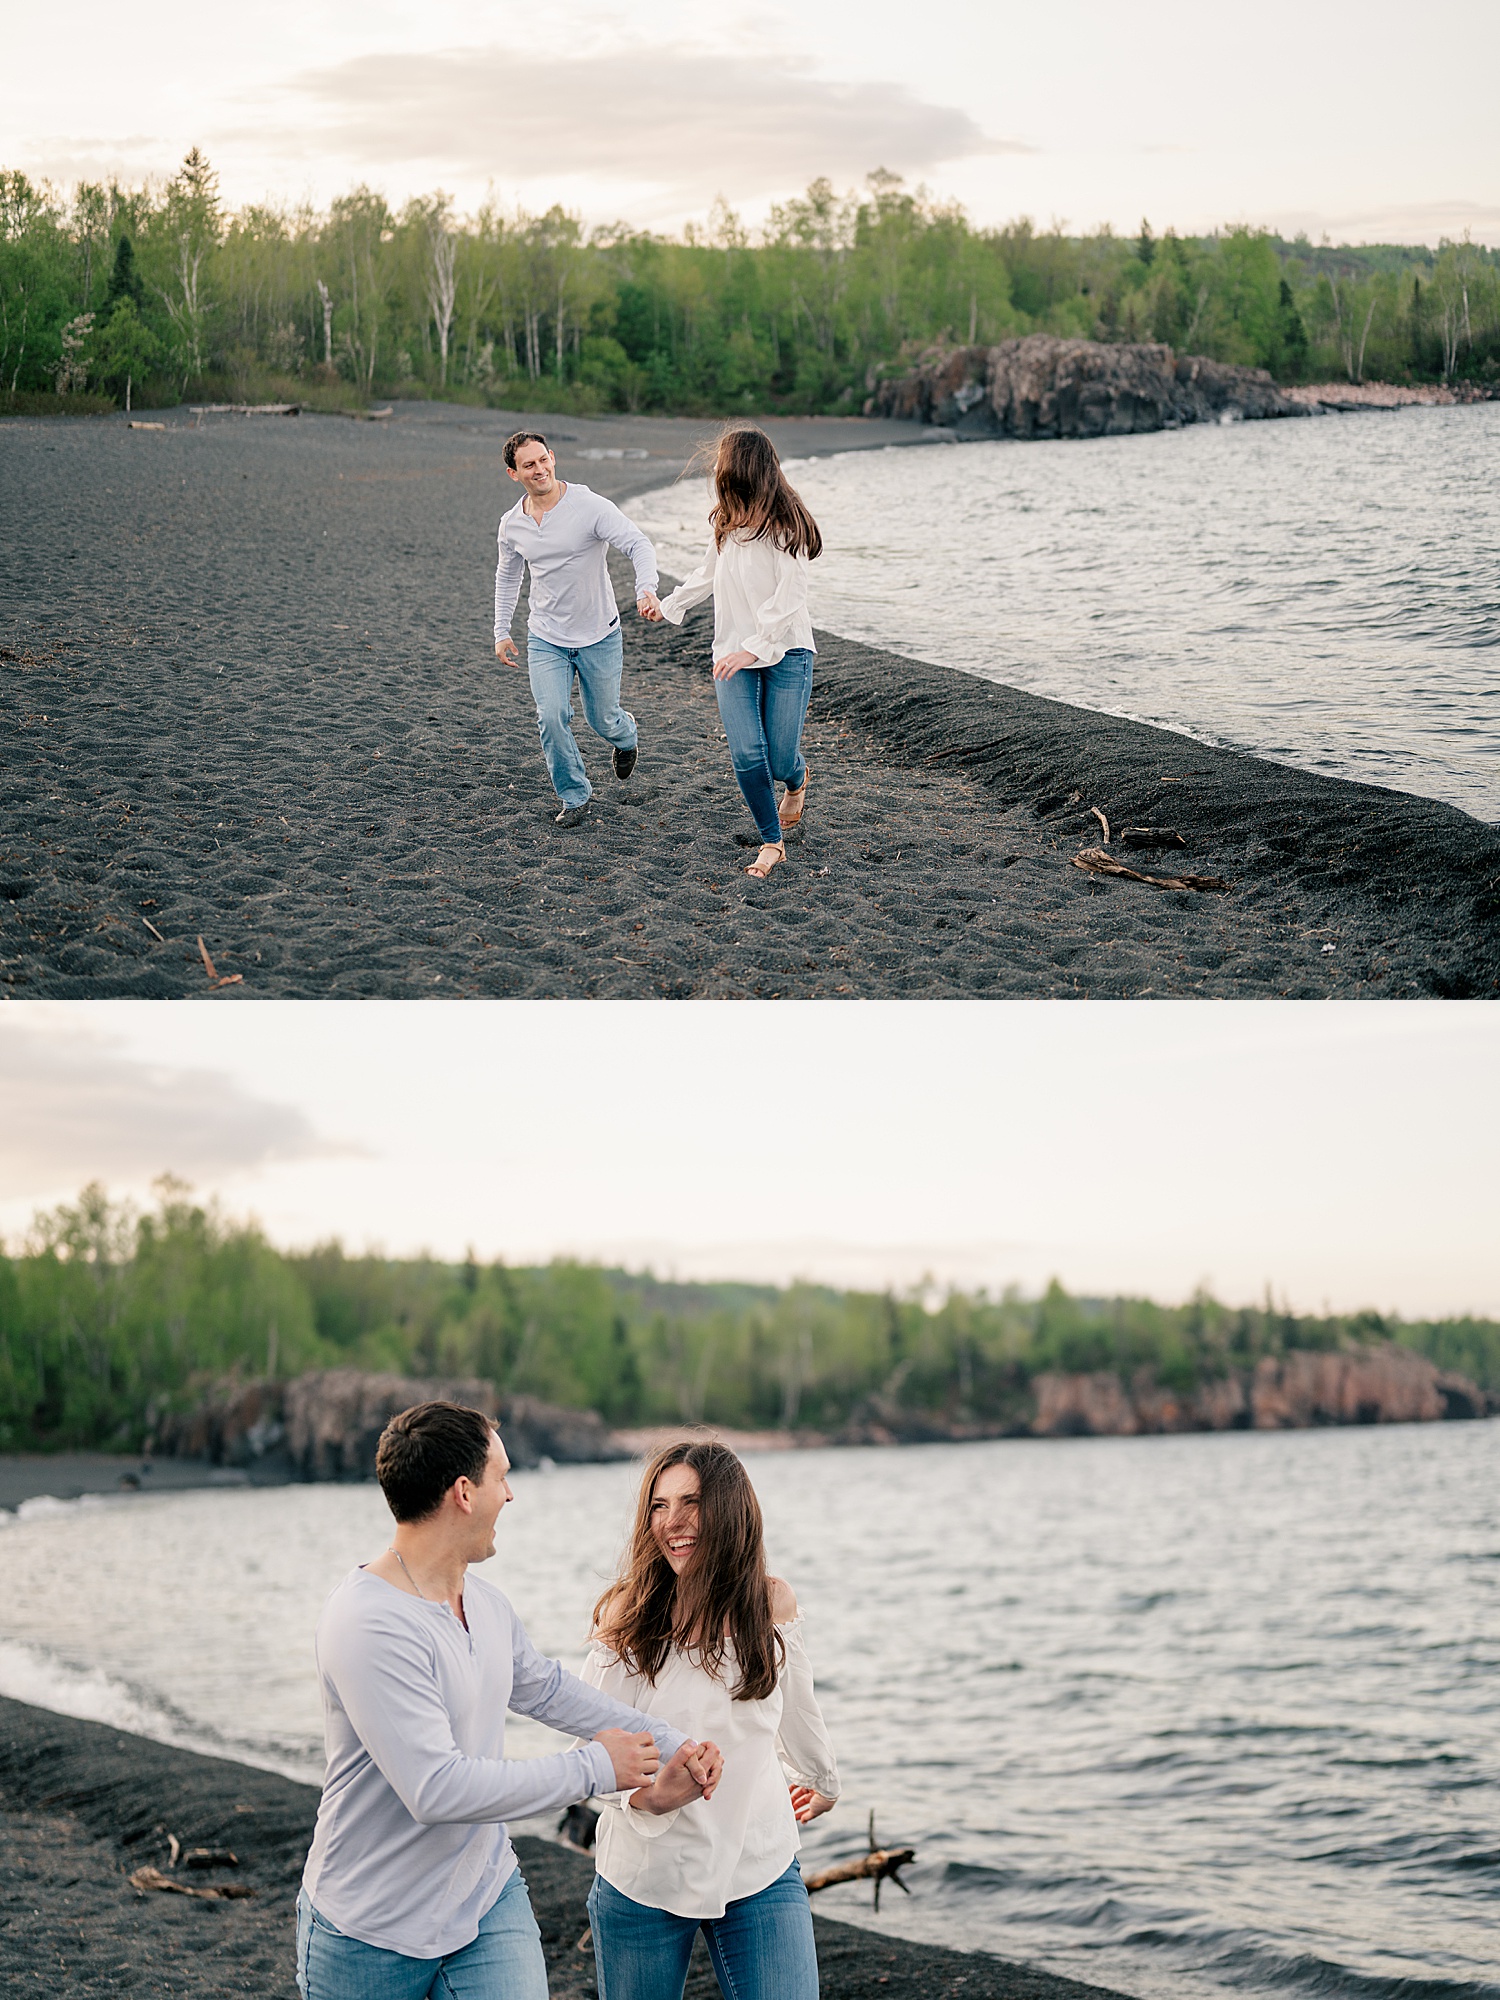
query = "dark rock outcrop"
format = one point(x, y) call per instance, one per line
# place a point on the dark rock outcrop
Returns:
point(326, 1425)
point(1041, 387)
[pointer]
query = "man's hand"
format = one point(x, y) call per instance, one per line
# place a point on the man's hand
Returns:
point(808, 1804)
point(732, 663)
point(692, 1774)
point(649, 606)
point(635, 1757)
point(507, 650)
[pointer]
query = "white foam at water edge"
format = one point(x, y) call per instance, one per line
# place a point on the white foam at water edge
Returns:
point(41, 1506)
point(33, 1675)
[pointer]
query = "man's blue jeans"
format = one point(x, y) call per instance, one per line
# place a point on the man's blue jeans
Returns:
point(762, 1947)
point(551, 670)
point(763, 709)
point(503, 1963)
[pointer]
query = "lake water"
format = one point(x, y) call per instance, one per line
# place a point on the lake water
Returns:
point(1323, 592)
point(1180, 1715)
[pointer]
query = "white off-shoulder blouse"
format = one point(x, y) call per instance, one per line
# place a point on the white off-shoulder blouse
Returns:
point(760, 599)
point(695, 1860)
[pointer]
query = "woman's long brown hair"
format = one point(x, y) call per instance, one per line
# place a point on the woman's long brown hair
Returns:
point(753, 496)
point(722, 1599)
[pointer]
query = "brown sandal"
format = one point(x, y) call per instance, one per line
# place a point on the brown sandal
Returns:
point(796, 800)
point(760, 867)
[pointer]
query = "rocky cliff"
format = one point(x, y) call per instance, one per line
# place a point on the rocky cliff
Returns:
point(327, 1425)
point(1376, 1385)
point(1041, 387)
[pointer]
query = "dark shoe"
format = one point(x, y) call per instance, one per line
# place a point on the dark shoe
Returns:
point(624, 761)
point(572, 815)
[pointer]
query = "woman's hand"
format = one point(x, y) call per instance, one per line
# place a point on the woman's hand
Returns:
point(692, 1774)
point(649, 606)
point(732, 663)
point(808, 1804)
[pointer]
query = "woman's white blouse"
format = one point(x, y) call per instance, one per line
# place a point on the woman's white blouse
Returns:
point(760, 599)
point(695, 1860)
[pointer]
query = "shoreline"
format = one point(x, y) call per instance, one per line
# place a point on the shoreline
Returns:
point(249, 695)
point(84, 1805)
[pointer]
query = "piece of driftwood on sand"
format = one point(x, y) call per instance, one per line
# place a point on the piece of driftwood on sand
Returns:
point(1097, 862)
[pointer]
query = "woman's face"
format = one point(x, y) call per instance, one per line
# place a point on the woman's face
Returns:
point(674, 1515)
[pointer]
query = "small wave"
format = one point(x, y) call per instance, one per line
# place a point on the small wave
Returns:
point(47, 1506)
point(33, 1675)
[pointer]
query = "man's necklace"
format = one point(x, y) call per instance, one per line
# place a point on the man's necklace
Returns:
point(405, 1571)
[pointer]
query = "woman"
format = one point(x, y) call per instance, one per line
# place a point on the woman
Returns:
point(756, 570)
point(696, 1620)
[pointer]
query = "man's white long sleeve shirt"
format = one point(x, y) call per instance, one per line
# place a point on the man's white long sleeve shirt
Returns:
point(411, 1849)
point(567, 549)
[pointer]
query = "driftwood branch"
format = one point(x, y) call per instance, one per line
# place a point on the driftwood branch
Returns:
point(152, 1878)
point(1151, 836)
point(881, 1866)
point(1097, 862)
point(1098, 815)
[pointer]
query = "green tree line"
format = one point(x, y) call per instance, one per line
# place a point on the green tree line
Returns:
point(158, 292)
point(108, 1315)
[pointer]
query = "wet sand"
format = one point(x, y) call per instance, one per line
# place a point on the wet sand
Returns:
point(248, 692)
point(83, 1806)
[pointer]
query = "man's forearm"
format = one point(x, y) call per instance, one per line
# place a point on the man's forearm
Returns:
point(507, 594)
point(572, 1706)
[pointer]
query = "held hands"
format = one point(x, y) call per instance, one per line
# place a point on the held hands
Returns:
point(732, 663)
point(506, 649)
point(693, 1773)
point(649, 606)
point(808, 1804)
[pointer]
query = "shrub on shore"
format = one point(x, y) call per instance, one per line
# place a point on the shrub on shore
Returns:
point(107, 1315)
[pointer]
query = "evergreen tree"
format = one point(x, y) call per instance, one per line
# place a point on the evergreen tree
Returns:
point(124, 280)
point(1289, 353)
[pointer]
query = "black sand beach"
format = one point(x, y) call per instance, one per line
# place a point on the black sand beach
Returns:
point(83, 1807)
point(249, 693)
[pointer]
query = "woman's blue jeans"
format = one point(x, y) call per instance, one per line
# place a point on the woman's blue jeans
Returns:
point(763, 709)
point(762, 1947)
point(503, 1963)
point(550, 670)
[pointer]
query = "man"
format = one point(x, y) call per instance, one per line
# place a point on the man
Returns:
point(411, 1886)
point(563, 532)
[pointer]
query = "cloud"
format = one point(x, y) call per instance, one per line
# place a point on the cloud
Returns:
point(77, 1109)
point(687, 119)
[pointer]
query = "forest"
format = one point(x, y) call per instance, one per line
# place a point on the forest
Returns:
point(110, 1315)
point(150, 295)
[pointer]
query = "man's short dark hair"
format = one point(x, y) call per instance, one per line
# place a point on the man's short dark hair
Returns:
point(424, 1450)
point(514, 444)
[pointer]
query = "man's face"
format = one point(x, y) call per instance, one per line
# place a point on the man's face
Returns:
point(487, 1498)
point(535, 469)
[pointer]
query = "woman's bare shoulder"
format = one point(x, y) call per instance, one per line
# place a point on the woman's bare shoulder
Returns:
point(783, 1600)
point(604, 1617)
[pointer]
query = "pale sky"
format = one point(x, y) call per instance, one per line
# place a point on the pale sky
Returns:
point(1354, 117)
point(1344, 1155)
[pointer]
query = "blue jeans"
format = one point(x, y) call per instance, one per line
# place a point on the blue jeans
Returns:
point(503, 1963)
point(551, 669)
point(762, 1947)
point(763, 709)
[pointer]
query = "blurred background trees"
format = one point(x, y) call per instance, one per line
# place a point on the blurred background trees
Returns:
point(108, 1315)
point(524, 310)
